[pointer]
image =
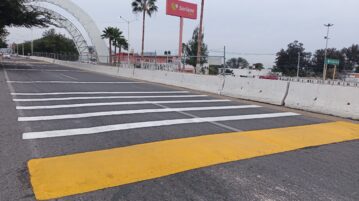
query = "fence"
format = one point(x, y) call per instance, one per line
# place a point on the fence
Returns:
point(318, 81)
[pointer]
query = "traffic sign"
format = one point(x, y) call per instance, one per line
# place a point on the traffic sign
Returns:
point(332, 62)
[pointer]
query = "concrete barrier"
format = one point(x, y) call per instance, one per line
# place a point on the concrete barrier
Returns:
point(326, 99)
point(210, 84)
point(266, 91)
point(339, 101)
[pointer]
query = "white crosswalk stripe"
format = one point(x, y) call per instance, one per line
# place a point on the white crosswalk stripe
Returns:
point(124, 112)
point(128, 126)
point(105, 97)
point(98, 93)
point(115, 103)
point(69, 82)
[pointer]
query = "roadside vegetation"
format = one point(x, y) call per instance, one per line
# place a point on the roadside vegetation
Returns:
point(15, 13)
point(311, 64)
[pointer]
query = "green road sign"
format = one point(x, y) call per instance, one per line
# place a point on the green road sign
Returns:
point(332, 62)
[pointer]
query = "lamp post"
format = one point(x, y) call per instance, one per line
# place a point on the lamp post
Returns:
point(128, 36)
point(326, 51)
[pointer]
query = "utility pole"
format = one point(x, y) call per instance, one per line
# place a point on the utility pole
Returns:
point(224, 57)
point(325, 68)
point(199, 50)
point(23, 50)
point(298, 65)
point(32, 43)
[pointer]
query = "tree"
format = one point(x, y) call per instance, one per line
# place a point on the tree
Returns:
point(52, 42)
point(237, 63)
point(16, 13)
point(318, 59)
point(3, 34)
point(116, 36)
point(190, 50)
point(258, 66)
point(110, 34)
point(145, 7)
point(351, 57)
point(121, 43)
point(287, 60)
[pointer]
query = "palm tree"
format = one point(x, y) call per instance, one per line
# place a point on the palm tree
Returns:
point(121, 43)
point(145, 7)
point(109, 34)
point(117, 35)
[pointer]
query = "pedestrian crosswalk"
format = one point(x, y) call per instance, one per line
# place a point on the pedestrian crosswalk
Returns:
point(44, 101)
point(86, 96)
point(67, 111)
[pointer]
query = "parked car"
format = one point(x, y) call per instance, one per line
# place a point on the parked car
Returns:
point(269, 77)
point(7, 56)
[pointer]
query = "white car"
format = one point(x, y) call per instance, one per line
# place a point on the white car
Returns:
point(7, 56)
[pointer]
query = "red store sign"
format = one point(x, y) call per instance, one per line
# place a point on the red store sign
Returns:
point(181, 9)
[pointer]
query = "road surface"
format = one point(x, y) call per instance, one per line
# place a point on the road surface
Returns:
point(68, 134)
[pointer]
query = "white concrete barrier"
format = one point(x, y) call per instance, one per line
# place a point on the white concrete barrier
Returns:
point(327, 99)
point(266, 91)
point(210, 84)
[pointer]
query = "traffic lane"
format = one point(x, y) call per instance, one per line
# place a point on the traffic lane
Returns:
point(102, 141)
point(320, 173)
point(14, 152)
point(58, 75)
point(33, 65)
point(88, 87)
point(50, 147)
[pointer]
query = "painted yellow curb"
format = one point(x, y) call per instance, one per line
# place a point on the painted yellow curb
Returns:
point(79, 173)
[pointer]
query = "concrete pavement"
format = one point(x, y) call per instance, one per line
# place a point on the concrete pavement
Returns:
point(57, 121)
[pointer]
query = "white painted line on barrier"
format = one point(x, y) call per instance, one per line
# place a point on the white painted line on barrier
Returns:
point(105, 97)
point(98, 92)
point(149, 124)
point(70, 82)
point(125, 112)
point(115, 103)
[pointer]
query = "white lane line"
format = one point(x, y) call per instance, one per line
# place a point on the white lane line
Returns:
point(46, 70)
point(115, 103)
point(72, 78)
point(70, 82)
point(128, 126)
point(105, 97)
point(98, 92)
point(126, 112)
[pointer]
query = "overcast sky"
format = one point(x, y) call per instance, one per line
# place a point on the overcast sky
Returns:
point(245, 27)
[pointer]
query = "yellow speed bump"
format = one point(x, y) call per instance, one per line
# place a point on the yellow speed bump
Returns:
point(79, 173)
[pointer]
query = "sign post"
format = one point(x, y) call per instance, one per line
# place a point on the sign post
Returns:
point(182, 10)
point(334, 62)
point(180, 40)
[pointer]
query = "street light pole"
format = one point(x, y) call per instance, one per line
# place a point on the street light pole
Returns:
point(326, 51)
point(128, 36)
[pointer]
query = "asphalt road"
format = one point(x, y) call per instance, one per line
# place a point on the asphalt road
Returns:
point(27, 88)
